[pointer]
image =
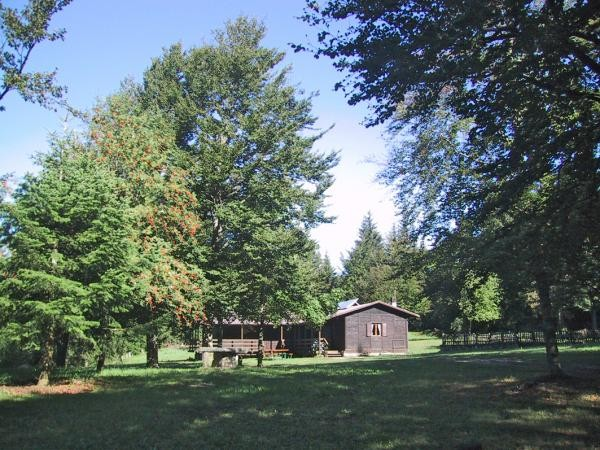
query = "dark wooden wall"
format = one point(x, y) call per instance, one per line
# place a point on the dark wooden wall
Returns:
point(394, 338)
point(333, 331)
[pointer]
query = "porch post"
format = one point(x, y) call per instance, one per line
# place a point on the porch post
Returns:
point(281, 341)
point(321, 350)
point(242, 331)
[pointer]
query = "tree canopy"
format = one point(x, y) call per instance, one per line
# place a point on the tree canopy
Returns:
point(248, 138)
point(70, 262)
point(20, 32)
point(526, 77)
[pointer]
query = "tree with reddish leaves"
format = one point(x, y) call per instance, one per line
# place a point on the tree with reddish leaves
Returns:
point(140, 148)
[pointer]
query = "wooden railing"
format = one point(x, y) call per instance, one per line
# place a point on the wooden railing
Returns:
point(515, 338)
point(249, 345)
point(301, 347)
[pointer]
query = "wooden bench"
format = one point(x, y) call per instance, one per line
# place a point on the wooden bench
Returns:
point(269, 353)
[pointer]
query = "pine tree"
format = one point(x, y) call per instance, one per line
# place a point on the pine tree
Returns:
point(405, 261)
point(68, 234)
point(364, 267)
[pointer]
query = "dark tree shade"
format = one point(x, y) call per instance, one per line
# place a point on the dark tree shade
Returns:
point(528, 75)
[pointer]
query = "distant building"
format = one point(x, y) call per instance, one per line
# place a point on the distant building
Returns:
point(373, 328)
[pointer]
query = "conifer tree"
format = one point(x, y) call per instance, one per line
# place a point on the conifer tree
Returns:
point(139, 146)
point(405, 261)
point(364, 266)
point(68, 234)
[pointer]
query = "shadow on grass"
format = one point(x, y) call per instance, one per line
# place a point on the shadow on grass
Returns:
point(431, 402)
point(181, 364)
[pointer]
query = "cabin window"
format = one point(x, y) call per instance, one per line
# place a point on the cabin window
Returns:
point(376, 329)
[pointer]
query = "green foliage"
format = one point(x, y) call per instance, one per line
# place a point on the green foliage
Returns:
point(429, 169)
point(69, 263)
point(20, 32)
point(364, 269)
point(528, 77)
point(139, 146)
point(386, 270)
point(246, 135)
point(480, 298)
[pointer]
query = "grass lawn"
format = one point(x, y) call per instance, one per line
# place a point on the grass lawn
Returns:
point(425, 400)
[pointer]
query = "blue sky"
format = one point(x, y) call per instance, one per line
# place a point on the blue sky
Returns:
point(110, 40)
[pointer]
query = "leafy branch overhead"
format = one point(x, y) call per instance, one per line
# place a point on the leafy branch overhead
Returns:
point(20, 32)
point(501, 101)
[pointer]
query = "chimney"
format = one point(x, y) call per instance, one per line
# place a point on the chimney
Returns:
point(394, 302)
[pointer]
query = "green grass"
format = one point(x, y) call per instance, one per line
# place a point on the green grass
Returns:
point(424, 400)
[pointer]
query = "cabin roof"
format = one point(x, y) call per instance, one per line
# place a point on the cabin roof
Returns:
point(390, 308)
point(351, 307)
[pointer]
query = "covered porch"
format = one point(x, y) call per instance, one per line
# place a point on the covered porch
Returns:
point(298, 339)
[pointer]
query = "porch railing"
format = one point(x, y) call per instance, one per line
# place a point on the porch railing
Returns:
point(249, 345)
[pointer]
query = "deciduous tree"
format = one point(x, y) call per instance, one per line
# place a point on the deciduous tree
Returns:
point(139, 146)
point(527, 74)
point(20, 32)
point(248, 135)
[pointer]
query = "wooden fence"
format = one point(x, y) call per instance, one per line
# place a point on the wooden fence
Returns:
point(515, 339)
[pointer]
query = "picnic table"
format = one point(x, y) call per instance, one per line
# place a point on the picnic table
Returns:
point(220, 356)
point(229, 357)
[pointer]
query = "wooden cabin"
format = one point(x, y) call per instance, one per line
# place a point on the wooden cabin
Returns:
point(367, 329)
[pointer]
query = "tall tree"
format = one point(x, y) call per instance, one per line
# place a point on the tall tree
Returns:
point(20, 32)
point(139, 146)
point(406, 278)
point(68, 270)
point(364, 267)
point(527, 74)
point(247, 133)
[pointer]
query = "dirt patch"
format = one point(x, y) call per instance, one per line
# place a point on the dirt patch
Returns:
point(76, 387)
point(560, 391)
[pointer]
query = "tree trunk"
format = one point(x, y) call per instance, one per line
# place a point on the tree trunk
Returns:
point(207, 335)
point(549, 324)
point(594, 313)
point(47, 359)
point(100, 362)
point(103, 340)
point(261, 346)
point(62, 346)
point(220, 334)
point(152, 350)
